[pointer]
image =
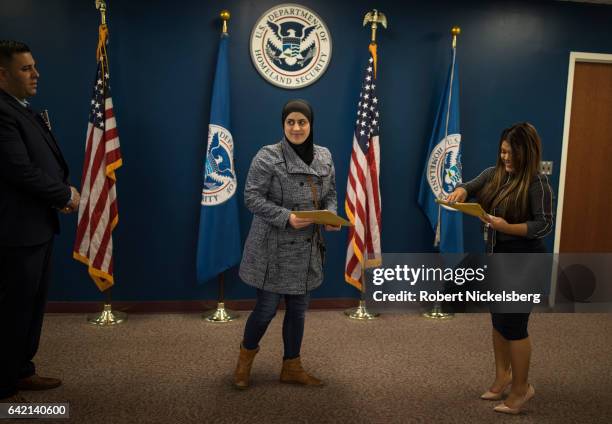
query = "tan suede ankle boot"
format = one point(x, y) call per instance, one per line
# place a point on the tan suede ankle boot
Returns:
point(293, 372)
point(243, 368)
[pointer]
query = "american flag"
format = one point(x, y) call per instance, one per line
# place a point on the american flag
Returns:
point(98, 213)
point(362, 203)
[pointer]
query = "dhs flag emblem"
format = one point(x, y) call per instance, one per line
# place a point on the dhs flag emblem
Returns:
point(290, 46)
point(219, 174)
point(444, 166)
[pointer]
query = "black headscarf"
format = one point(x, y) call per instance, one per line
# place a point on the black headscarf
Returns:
point(305, 150)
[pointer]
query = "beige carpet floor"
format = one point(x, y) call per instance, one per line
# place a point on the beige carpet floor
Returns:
point(175, 368)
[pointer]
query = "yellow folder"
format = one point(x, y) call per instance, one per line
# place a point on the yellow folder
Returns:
point(473, 209)
point(323, 217)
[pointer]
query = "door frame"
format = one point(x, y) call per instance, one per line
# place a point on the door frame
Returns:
point(574, 57)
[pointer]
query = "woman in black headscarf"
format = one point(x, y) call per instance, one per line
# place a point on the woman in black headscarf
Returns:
point(284, 254)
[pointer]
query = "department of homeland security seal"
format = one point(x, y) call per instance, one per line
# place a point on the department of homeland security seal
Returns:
point(444, 166)
point(219, 175)
point(290, 46)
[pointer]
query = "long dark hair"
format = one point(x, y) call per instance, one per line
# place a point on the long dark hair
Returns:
point(507, 195)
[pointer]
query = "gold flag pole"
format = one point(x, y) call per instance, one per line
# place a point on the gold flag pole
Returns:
point(225, 17)
point(436, 310)
point(361, 313)
point(455, 31)
point(107, 317)
point(101, 6)
point(374, 18)
point(221, 315)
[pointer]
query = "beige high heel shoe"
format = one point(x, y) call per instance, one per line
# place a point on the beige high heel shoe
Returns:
point(505, 409)
point(489, 395)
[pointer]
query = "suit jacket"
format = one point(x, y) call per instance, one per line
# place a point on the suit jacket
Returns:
point(277, 257)
point(33, 177)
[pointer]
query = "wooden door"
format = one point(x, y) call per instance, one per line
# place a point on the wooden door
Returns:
point(587, 201)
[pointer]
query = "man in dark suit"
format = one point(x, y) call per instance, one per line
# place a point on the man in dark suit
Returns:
point(33, 188)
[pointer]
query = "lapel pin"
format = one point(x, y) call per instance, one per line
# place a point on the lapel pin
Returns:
point(45, 117)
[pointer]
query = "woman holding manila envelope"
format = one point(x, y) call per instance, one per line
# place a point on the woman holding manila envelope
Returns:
point(518, 202)
point(284, 254)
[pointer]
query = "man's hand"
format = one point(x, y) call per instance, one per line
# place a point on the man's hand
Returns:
point(299, 223)
point(332, 227)
point(73, 204)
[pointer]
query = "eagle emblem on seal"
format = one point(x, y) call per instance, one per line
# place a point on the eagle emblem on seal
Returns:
point(218, 168)
point(291, 45)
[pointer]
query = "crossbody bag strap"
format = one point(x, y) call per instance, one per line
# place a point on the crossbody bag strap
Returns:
point(315, 202)
point(313, 191)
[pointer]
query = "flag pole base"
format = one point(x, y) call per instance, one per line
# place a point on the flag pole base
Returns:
point(220, 315)
point(361, 312)
point(107, 317)
point(436, 313)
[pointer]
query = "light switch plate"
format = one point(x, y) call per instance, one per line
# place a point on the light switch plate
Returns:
point(546, 167)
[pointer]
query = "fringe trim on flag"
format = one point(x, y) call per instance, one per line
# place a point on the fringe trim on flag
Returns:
point(101, 55)
point(351, 218)
point(373, 263)
point(348, 278)
point(353, 282)
point(102, 279)
point(368, 263)
point(358, 252)
point(115, 222)
point(372, 49)
point(102, 38)
point(111, 168)
point(349, 214)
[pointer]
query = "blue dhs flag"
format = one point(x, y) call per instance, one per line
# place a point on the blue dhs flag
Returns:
point(219, 238)
point(443, 168)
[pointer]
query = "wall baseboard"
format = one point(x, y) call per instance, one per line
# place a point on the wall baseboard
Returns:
point(179, 306)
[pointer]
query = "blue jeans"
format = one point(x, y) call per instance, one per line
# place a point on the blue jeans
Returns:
point(293, 324)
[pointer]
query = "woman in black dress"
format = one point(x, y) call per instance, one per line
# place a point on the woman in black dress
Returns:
point(519, 201)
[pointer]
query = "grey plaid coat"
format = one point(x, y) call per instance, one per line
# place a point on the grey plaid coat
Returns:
point(277, 257)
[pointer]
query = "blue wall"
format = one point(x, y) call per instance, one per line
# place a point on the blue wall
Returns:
point(513, 60)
